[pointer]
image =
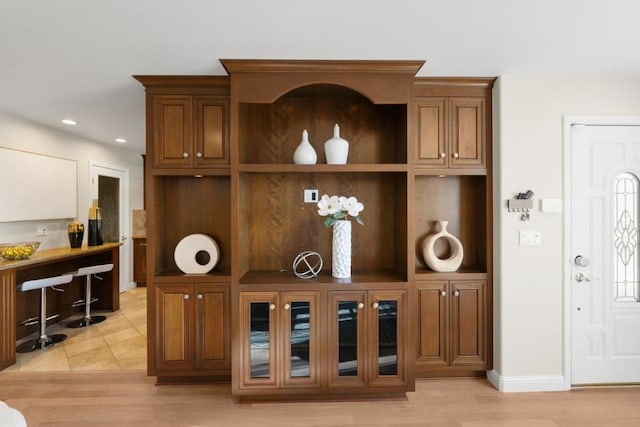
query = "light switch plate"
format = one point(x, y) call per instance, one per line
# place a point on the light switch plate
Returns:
point(310, 196)
point(530, 238)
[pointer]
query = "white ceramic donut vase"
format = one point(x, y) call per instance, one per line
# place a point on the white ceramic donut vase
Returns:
point(442, 265)
point(187, 249)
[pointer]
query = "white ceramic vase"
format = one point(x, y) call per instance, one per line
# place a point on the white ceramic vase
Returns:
point(305, 154)
point(336, 149)
point(341, 254)
point(443, 265)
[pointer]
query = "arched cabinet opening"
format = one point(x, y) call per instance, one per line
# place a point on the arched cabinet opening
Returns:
point(270, 132)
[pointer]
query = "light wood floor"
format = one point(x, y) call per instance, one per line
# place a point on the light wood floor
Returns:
point(97, 378)
point(123, 398)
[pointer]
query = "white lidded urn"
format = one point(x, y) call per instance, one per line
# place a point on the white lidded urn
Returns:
point(336, 149)
point(305, 154)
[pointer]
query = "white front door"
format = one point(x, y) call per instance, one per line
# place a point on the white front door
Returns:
point(604, 258)
point(110, 185)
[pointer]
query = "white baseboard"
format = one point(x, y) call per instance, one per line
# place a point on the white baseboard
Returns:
point(519, 384)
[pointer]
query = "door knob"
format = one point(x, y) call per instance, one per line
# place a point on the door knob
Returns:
point(581, 261)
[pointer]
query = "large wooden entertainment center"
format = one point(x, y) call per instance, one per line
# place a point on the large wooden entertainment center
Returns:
point(220, 162)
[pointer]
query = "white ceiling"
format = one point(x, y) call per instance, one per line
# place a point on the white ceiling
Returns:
point(75, 58)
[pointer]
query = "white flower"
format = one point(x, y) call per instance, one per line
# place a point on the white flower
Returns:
point(352, 206)
point(337, 208)
point(328, 205)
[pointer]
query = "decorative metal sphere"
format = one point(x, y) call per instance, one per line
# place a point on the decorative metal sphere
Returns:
point(307, 265)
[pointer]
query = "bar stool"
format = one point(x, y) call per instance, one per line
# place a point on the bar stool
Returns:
point(44, 340)
point(88, 319)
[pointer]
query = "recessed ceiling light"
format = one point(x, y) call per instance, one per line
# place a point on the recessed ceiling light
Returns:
point(121, 140)
point(69, 122)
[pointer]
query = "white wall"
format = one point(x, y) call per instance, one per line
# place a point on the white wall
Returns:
point(528, 146)
point(24, 135)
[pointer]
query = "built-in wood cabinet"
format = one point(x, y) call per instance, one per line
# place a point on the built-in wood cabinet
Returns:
point(190, 131)
point(222, 150)
point(192, 328)
point(280, 333)
point(367, 338)
point(452, 321)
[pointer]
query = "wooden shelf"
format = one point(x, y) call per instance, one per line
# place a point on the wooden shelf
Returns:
point(273, 277)
point(321, 168)
point(422, 274)
point(179, 277)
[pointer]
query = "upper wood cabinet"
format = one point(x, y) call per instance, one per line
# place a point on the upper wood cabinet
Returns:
point(452, 124)
point(190, 131)
point(451, 132)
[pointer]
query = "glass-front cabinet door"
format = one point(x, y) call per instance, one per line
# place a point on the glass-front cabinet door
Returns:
point(300, 338)
point(347, 345)
point(258, 323)
point(387, 329)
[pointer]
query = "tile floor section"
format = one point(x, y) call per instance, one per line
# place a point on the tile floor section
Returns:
point(118, 343)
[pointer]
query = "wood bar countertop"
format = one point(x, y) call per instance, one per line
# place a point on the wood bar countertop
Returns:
point(53, 255)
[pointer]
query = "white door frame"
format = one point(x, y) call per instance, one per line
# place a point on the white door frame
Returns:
point(125, 279)
point(568, 122)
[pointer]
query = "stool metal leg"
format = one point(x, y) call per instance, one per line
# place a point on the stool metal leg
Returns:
point(88, 319)
point(44, 340)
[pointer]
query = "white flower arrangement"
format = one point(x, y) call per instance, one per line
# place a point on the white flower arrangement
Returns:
point(337, 208)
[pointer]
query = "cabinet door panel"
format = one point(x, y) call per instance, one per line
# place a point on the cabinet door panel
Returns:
point(212, 327)
point(467, 137)
point(347, 329)
point(301, 334)
point(432, 320)
point(432, 132)
point(258, 326)
point(468, 323)
point(173, 343)
point(172, 131)
point(387, 325)
point(211, 131)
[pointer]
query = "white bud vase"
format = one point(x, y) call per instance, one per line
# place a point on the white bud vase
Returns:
point(305, 154)
point(443, 265)
point(336, 149)
point(341, 253)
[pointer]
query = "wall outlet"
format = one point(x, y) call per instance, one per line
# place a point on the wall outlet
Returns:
point(310, 196)
point(41, 230)
point(530, 238)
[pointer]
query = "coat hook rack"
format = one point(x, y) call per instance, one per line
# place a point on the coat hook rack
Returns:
point(522, 202)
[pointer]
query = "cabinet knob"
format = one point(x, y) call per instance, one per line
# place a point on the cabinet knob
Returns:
point(272, 306)
point(456, 293)
point(287, 306)
point(185, 155)
point(198, 154)
point(443, 293)
point(361, 305)
point(443, 155)
point(375, 305)
point(185, 296)
point(199, 296)
point(456, 155)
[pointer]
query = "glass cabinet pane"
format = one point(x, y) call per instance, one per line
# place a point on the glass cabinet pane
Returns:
point(388, 337)
point(348, 338)
point(259, 339)
point(300, 339)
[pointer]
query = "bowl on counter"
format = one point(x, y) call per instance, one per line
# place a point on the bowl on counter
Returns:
point(16, 251)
